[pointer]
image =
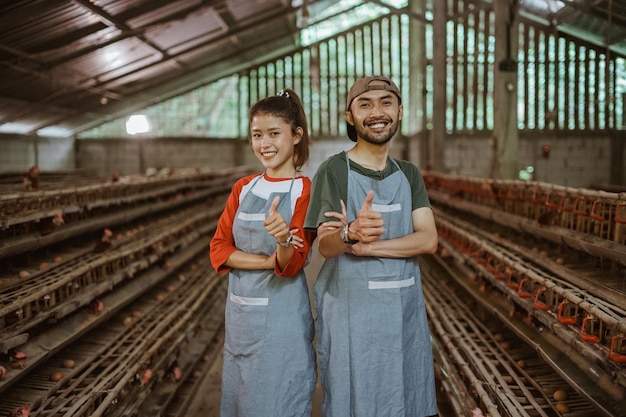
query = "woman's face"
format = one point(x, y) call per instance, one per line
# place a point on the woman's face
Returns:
point(273, 143)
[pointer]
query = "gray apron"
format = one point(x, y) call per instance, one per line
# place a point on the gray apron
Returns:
point(373, 338)
point(269, 361)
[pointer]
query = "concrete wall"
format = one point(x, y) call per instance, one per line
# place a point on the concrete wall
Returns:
point(18, 153)
point(575, 161)
point(132, 156)
point(572, 161)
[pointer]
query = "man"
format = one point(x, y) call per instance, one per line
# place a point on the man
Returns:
point(372, 216)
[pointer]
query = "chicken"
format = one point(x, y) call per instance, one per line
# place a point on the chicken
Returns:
point(23, 411)
point(548, 217)
point(173, 372)
point(31, 181)
point(147, 376)
point(17, 359)
point(105, 241)
point(96, 306)
point(48, 225)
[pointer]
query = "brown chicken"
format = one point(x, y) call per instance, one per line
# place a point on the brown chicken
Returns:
point(31, 181)
point(48, 225)
point(105, 241)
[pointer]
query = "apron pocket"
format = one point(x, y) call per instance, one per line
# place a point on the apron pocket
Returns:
point(246, 318)
point(385, 313)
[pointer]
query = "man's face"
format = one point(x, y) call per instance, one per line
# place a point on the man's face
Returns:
point(375, 115)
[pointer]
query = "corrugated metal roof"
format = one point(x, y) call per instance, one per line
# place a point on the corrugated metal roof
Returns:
point(74, 64)
point(600, 22)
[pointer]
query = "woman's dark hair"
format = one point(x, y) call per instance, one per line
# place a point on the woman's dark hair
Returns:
point(287, 105)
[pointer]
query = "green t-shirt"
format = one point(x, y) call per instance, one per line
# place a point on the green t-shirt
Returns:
point(330, 185)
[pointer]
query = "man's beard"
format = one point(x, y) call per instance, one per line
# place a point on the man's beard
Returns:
point(377, 138)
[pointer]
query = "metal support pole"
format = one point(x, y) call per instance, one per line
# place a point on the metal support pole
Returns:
point(417, 77)
point(439, 87)
point(505, 134)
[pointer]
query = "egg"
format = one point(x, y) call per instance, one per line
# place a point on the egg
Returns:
point(521, 363)
point(562, 407)
point(56, 376)
point(560, 261)
point(68, 363)
point(127, 321)
point(43, 266)
point(24, 274)
point(57, 259)
point(560, 395)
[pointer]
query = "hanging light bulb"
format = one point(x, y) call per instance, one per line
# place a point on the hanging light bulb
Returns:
point(137, 123)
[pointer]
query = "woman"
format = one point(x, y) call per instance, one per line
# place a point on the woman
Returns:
point(269, 361)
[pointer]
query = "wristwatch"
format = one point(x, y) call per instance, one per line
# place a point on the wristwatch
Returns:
point(344, 234)
point(287, 242)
